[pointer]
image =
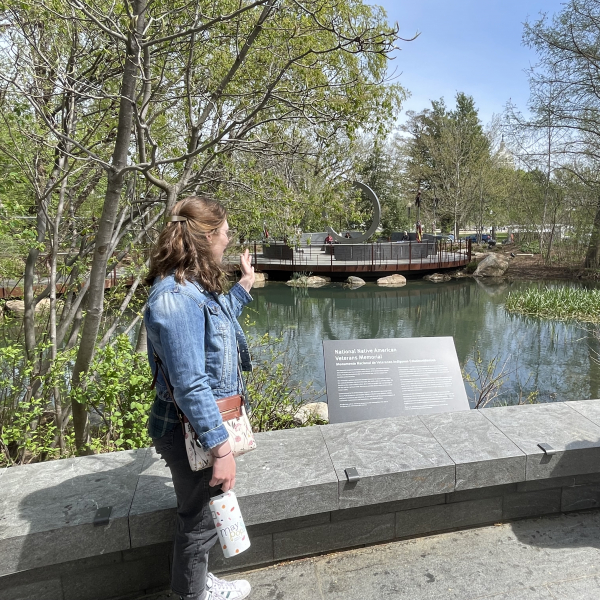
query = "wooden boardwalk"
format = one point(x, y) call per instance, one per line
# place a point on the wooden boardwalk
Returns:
point(14, 288)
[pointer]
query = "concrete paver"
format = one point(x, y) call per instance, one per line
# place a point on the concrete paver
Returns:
point(550, 558)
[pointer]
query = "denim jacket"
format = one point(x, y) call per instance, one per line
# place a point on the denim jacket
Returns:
point(196, 335)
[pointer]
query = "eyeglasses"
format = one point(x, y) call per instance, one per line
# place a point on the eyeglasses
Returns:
point(230, 233)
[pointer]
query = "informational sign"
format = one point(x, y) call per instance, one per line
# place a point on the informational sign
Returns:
point(373, 379)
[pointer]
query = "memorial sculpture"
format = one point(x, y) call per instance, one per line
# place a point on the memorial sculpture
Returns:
point(372, 196)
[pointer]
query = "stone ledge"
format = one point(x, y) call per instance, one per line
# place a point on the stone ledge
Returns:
point(47, 509)
point(574, 437)
point(444, 470)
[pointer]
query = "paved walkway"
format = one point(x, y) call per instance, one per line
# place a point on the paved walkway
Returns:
point(551, 558)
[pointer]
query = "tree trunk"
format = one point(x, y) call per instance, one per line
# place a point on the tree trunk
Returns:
point(142, 340)
point(95, 295)
point(29, 282)
point(53, 280)
point(592, 257)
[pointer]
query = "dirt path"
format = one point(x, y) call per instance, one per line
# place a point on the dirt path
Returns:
point(527, 267)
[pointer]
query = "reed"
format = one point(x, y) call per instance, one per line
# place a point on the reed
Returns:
point(564, 303)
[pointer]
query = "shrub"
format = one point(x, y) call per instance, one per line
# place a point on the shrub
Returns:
point(117, 391)
point(557, 303)
point(275, 398)
point(471, 267)
point(532, 247)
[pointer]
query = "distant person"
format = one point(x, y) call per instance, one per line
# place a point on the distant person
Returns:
point(405, 237)
point(329, 239)
point(347, 236)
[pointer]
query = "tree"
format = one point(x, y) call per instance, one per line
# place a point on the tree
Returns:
point(382, 172)
point(569, 60)
point(446, 149)
point(136, 103)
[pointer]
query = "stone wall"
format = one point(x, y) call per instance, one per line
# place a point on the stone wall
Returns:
point(418, 475)
point(280, 251)
point(384, 251)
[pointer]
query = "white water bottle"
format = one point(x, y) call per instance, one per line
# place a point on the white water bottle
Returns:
point(229, 522)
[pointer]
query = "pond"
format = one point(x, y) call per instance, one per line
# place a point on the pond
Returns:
point(549, 360)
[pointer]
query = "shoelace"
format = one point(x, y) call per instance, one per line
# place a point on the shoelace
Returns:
point(222, 585)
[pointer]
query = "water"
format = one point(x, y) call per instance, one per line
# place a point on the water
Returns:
point(557, 360)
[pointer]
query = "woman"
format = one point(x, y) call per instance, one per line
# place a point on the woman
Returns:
point(192, 326)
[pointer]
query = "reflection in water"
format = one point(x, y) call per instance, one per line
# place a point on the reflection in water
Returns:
point(557, 359)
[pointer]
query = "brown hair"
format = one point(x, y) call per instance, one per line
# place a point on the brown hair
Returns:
point(183, 246)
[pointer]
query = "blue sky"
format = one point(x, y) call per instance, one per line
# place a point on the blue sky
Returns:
point(473, 46)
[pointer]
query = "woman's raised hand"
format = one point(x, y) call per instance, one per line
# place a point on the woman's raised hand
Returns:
point(247, 279)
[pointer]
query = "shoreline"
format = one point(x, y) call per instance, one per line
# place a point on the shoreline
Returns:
point(532, 268)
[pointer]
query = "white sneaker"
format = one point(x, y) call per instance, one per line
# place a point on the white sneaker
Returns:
point(229, 590)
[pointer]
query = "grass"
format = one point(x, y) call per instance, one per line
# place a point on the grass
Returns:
point(557, 303)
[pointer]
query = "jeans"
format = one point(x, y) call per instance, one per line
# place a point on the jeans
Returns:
point(195, 533)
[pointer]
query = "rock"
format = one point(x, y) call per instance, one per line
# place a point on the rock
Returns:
point(354, 282)
point(313, 281)
point(43, 305)
point(437, 277)
point(394, 280)
point(320, 410)
point(320, 278)
point(15, 306)
point(493, 286)
point(260, 280)
point(18, 306)
point(458, 274)
point(493, 265)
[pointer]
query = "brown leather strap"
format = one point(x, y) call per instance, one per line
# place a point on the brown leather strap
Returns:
point(230, 407)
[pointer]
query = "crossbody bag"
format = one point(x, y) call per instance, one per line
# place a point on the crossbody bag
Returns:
point(235, 419)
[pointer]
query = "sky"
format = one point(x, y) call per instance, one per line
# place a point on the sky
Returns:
point(471, 46)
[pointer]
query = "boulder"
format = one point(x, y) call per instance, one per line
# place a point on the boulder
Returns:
point(458, 274)
point(313, 281)
point(17, 307)
point(437, 277)
point(493, 286)
point(260, 280)
point(312, 409)
point(394, 280)
point(493, 265)
point(354, 282)
point(319, 278)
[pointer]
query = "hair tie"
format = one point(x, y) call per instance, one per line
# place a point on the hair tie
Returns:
point(177, 218)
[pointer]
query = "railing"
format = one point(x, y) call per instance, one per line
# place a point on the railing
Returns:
point(379, 256)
